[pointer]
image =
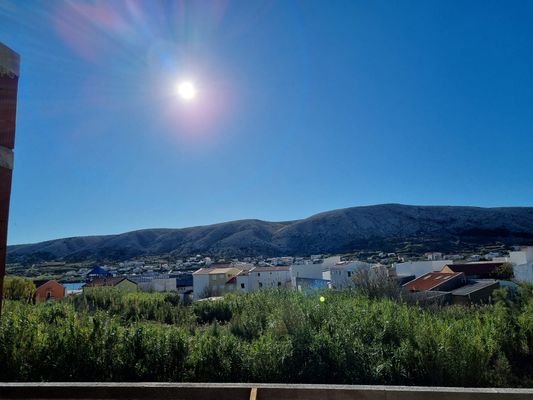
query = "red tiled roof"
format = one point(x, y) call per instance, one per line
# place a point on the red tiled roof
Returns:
point(430, 281)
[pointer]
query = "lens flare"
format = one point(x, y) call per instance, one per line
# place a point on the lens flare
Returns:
point(186, 90)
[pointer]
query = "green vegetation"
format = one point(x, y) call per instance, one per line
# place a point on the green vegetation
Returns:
point(16, 288)
point(504, 271)
point(268, 336)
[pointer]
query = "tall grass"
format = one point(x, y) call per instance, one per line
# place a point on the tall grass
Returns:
point(268, 336)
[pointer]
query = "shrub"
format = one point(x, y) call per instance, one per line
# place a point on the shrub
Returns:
point(268, 336)
point(17, 288)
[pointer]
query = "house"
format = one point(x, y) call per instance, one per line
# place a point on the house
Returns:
point(262, 278)
point(477, 292)
point(343, 273)
point(241, 282)
point(270, 277)
point(97, 272)
point(281, 261)
point(434, 256)
point(308, 271)
point(121, 283)
point(439, 281)
point(48, 290)
point(476, 270)
point(418, 268)
point(208, 282)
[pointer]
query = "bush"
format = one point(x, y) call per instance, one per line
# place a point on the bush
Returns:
point(268, 336)
point(17, 288)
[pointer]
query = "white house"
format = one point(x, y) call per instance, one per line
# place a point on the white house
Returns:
point(419, 268)
point(212, 281)
point(243, 282)
point(281, 261)
point(343, 273)
point(308, 271)
point(434, 256)
point(271, 277)
point(263, 278)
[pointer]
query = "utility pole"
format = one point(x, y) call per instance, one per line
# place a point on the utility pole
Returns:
point(9, 78)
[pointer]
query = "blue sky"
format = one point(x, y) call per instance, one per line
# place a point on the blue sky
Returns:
point(302, 107)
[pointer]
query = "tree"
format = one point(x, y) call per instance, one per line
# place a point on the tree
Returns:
point(504, 271)
point(16, 288)
point(375, 283)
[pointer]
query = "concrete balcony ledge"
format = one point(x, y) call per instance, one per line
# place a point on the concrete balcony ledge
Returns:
point(249, 391)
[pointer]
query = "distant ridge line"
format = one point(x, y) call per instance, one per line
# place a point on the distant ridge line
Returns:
point(374, 227)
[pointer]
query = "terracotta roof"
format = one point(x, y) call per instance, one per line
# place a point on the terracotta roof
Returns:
point(431, 280)
point(106, 281)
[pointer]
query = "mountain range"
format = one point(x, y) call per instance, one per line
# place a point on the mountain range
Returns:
point(385, 227)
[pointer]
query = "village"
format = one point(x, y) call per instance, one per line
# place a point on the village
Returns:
point(438, 278)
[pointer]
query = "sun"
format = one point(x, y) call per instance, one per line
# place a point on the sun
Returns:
point(186, 90)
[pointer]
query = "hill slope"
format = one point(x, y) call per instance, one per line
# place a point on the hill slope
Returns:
point(380, 227)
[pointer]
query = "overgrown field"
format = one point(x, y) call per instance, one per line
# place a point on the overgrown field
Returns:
point(269, 336)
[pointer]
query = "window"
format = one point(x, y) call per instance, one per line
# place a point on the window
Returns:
point(260, 284)
point(349, 273)
point(259, 274)
point(242, 285)
point(279, 283)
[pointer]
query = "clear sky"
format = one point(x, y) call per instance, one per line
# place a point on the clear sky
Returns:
point(301, 107)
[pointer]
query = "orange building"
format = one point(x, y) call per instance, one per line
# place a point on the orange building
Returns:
point(48, 290)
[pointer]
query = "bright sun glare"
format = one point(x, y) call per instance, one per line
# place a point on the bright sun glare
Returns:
point(186, 90)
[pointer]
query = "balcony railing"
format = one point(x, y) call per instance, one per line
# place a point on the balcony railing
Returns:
point(248, 391)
